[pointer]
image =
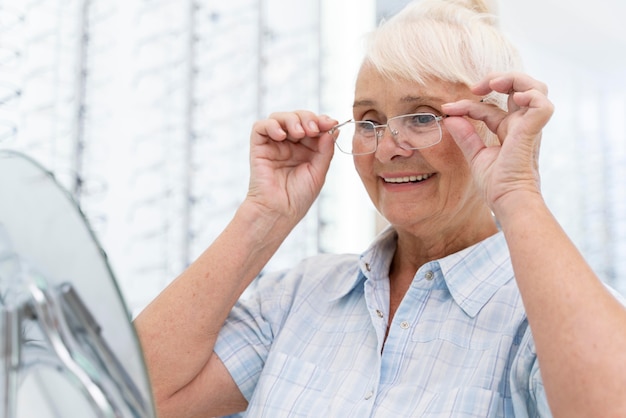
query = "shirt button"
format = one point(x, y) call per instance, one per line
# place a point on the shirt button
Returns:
point(404, 325)
point(429, 275)
point(369, 395)
point(379, 313)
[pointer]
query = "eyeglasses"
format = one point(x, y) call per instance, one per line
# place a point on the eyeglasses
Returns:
point(414, 131)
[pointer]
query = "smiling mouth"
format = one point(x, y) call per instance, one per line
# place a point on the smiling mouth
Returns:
point(407, 179)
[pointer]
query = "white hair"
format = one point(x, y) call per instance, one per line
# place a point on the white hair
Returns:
point(457, 41)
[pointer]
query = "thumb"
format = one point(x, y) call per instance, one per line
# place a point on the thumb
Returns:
point(465, 136)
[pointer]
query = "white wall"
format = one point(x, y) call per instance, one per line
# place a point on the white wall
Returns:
point(579, 50)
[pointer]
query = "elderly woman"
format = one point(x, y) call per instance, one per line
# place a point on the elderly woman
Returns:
point(473, 303)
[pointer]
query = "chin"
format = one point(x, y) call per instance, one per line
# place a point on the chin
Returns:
point(405, 219)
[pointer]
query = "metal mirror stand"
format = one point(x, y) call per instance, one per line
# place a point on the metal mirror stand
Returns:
point(67, 344)
point(73, 345)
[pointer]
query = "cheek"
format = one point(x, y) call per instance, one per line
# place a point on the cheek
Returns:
point(455, 172)
point(448, 157)
point(363, 166)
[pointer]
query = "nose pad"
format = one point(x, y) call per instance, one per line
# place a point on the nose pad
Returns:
point(390, 148)
point(381, 134)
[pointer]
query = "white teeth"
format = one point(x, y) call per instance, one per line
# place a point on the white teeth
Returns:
point(407, 179)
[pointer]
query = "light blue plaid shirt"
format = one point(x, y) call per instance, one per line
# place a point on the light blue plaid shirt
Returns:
point(308, 342)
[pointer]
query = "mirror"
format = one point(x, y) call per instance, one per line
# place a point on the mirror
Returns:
point(68, 347)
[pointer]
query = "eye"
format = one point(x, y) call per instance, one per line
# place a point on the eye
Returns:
point(364, 127)
point(422, 119)
point(366, 124)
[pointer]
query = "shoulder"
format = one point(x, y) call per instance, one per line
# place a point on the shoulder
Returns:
point(327, 275)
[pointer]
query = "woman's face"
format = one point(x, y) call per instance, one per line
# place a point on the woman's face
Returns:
point(428, 188)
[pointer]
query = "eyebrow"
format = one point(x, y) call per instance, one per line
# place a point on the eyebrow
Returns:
point(403, 99)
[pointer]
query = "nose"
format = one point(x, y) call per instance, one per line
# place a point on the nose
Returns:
point(388, 147)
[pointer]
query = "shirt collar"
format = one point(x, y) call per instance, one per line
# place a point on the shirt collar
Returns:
point(472, 275)
point(475, 274)
point(372, 263)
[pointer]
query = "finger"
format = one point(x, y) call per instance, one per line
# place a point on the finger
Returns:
point(303, 124)
point(316, 132)
point(539, 110)
point(300, 123)
point(284, 127)
point(516, 85)
point(465, 136)
point(533, 99)
point(314, 124)
point(326, 123)
point(309, 122)
point(292, 125)
point(267, 128)
point(488, 113)
point(508, 83)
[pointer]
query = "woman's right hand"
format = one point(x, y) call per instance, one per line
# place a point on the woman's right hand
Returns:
point(290, 153)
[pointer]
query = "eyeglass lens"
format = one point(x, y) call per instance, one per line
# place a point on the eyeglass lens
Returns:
point(412, 131)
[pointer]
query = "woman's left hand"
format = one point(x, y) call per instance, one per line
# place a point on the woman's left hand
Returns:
point(512, 166)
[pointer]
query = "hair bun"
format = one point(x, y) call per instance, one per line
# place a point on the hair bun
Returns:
point(487, 9)
point(479, 6)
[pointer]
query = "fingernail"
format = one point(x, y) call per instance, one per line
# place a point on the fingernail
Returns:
point(299, 127)
point(313, 126)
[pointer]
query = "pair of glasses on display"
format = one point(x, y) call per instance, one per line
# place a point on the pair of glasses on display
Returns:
point(412, 131)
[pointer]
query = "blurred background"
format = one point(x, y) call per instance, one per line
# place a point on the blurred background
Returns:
point(142, 110)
